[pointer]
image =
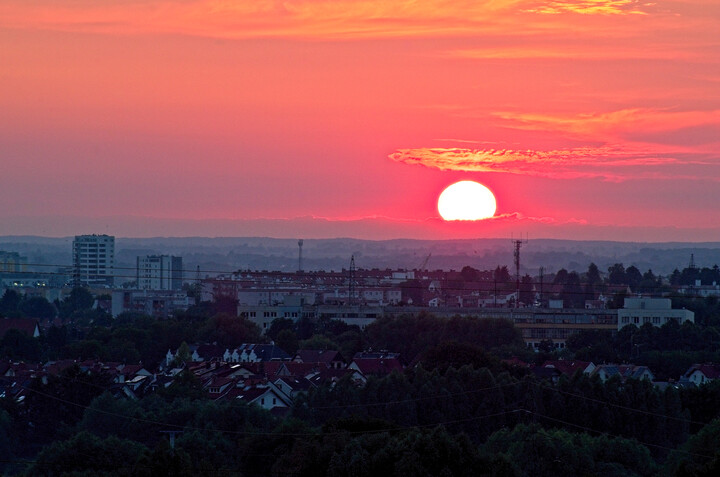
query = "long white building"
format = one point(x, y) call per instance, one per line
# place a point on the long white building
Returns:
point(94, 260)
point(656, 311)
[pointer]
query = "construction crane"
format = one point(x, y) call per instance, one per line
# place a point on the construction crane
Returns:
point(425, 262)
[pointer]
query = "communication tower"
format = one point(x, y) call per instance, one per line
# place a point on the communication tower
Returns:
point(351, 281)
point(300, 245)
point(516, 254)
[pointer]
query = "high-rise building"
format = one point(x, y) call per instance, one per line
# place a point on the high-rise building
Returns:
point(159, 272)
point(12, 262)
point(93, 260)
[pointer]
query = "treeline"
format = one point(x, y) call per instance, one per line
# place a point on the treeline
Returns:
point(442, 421)
point(668, 350)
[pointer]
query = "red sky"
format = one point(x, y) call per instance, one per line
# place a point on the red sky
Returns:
point(322, 118)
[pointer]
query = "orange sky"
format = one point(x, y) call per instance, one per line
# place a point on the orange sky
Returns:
point(588, 119)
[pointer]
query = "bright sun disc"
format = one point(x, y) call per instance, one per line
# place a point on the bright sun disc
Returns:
point(466, 200)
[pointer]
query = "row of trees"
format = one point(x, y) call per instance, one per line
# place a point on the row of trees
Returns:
point(668, 350)
point(427, 421)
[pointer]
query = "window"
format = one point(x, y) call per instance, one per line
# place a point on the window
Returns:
point(262, 401)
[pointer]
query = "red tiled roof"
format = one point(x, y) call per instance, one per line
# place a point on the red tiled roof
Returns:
point(24, 325)
point(219, 381)
point(270, 368)
point(331, 375)
point(378, 366)
point(58, 366)
point(130, 369)
point(710, 370)
point(318, 356)
point(296, 383)
point(515, 361)
point(301, 369)
point(567, 367)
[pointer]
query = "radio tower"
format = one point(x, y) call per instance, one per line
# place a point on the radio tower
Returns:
point(351, 284)
point(300, 244)
point(516, 254)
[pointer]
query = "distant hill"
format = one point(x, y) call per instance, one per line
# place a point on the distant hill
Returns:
point(226, 254)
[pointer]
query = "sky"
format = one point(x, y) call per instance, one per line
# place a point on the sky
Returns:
point(588, 119)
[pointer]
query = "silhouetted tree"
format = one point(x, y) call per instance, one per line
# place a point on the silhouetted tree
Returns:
point(616, 274)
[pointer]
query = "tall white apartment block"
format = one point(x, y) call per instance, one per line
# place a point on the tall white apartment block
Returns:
point(159, 272)
point(94, 260)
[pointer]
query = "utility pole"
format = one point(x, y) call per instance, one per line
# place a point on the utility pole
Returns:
point(495, 291)
point(516, 254)
point(542, 274)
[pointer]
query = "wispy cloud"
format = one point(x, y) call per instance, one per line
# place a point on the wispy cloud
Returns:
point(520, 217)
point(593, 7)
point(612, 125)
point(301, 18)
point(613, 163)
point(619, 145)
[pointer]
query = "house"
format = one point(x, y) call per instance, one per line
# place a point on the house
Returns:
point(217, 385)
point(207, 352)
point(570, 367)
point(248, 352)
point(27, 326)
point(332, 376)
point(331, 358)
point(54, 368)
point(636, 372)
point(549, 373)
point(376, 363)
point(623, 371)
point(265, 397)
point(702, 373)
point(291, 368)
point(293, 385)
point(127, 372)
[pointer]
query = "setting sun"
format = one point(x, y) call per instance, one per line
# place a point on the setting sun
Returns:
point(466, 200)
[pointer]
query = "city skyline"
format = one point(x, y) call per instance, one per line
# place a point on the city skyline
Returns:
point(587, 120)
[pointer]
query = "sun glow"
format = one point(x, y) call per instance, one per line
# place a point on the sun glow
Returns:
point(466, 200)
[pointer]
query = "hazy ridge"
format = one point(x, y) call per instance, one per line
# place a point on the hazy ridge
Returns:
point(259, 253)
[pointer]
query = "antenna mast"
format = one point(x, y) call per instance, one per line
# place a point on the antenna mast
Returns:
point(300, 244)
point(351, 284)
point(516, 254)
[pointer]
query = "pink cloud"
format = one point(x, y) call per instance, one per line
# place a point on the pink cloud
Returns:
point(612, 163)
point(592, 7)
point(611, 125)
point(304, 18)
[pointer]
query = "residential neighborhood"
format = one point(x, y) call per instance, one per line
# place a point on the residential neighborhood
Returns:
point(253, 354)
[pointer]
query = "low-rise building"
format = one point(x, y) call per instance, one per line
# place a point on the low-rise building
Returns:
point(656, 311)
point(699, 374)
